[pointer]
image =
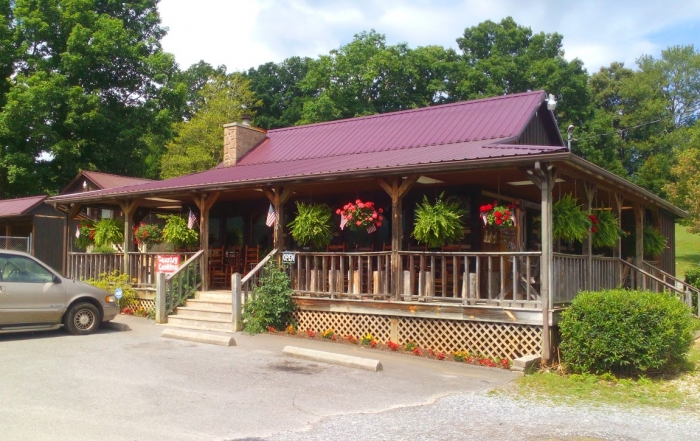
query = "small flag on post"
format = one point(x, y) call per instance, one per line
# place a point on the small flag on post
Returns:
point(271, 217)
point(191, 220)
point(343, 221)
point(371, 229)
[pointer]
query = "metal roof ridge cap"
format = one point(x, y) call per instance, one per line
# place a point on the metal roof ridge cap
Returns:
point(419, 109)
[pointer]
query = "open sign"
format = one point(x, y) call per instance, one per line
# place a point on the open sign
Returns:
point(289, 257)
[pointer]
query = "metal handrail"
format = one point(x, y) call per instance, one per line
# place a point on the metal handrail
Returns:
point(174, 288)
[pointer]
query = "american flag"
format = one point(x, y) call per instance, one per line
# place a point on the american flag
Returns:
point(271, 217)
point(343, 221)
point(191, 220)
point(371, 229)
point(77, 232)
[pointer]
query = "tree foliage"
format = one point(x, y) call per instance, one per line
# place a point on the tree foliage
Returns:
point(198, 144)
point(85, 85)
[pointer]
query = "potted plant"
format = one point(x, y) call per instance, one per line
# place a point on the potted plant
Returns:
point(605, 228)
point(312, 225)
point(109, 235)
point(147, 235)
point(85, 235)
point(361, 216)
point(569, 221)
point(654, 242)
point(178, 233)
point(439, 223)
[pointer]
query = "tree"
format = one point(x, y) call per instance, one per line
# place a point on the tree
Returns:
point(89, 87)
point(198, 144)
point(367, 76)
point(277, 86)
point(504, 58)
point(684, 188)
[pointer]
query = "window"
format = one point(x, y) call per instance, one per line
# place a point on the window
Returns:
point(23, 270)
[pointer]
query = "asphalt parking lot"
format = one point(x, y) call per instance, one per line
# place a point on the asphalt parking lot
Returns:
point(134, 385)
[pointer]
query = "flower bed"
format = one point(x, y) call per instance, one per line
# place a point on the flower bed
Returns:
point(408, 348)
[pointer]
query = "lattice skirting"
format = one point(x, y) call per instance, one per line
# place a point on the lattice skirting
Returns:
point(343, 324)
point(500, 340)
point(146, 304)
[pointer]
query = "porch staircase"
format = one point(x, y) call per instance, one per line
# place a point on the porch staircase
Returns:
point(208, 311)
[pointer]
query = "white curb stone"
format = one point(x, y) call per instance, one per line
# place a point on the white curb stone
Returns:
point(332, 358)
point(199, 337)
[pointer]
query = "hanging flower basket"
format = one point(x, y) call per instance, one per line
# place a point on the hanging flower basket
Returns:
point(570, 222)
point(605, 229)
point(85, 236)
point(360, 216)
point(147, 234)
point(498, 216)
point(312, 225)
point(439, 223)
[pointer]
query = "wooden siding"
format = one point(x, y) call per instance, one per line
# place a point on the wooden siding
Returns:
point(667, 228)
point(535, 133)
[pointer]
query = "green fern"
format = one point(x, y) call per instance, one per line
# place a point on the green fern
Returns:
point(608, 230)
point(109, 232)
point(569, 222)
point(439, 223)
point(312, 225)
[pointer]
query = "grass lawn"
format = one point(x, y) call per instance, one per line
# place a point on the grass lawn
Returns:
point(687, 250)
point(680, 393)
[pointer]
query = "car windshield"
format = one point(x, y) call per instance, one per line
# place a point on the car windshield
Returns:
point(22, 269)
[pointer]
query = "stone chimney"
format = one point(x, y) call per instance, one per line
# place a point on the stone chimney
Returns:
point(239, 139)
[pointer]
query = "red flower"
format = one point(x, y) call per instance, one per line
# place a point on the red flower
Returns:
point(498, 221)
point(594, 230)
point(498, 214)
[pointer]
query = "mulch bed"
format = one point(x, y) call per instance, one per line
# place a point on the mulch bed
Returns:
point(408, 349)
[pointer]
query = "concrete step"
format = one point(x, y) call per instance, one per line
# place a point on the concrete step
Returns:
point(215, 296)
point(195, 312)
point(209, 305)
point(199, 323)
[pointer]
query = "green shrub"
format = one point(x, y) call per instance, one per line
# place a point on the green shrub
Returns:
point(271, 302)
point(625, 332)
point(113, 280)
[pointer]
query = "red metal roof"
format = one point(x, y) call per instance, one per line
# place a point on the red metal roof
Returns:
point(485, 119)
point(20, 206)
point(107, 180)
point(467, 130)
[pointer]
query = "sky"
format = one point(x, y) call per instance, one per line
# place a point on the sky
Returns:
point(247, 33)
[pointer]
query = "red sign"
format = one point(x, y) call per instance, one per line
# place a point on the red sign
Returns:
point(167, 263)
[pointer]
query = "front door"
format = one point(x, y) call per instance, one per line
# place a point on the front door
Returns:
point(28, 294)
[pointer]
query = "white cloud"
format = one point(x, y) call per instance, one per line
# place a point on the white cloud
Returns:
point(244, 34)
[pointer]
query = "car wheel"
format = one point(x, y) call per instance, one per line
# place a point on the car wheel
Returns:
point(82, 319)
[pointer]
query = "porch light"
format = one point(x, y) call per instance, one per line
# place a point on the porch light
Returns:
point(551, 102)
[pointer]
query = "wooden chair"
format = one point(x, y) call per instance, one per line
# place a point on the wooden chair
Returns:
point(364, 249)
point(335, 248)
point(218, 271)
point(251, 258)
point(386, 247)
point(234, 258)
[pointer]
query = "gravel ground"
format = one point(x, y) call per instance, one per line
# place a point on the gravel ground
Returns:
point(484, 416)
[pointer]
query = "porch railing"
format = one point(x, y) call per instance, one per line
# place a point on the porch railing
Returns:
point(651, 279)
point(499, 279)
point(173, 289)
point(571, 275)
point(252, 278)
point(142, 266)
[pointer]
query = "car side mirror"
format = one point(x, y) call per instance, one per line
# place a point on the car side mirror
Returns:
point(57, 279)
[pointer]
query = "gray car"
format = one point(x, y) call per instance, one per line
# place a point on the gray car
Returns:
point(34, 297)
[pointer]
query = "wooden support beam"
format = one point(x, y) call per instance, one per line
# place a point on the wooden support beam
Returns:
point(278, 197)
point(590, 190)
point(617, 250)
point(639, 240)
point(128, 207)
point(74, 211)
point(204, 203)
point(544, 177)
point(396, 189)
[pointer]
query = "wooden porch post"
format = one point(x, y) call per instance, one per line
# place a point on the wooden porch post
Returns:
point(204, 203)
point(617, 250)
point(544, 177)
point(590, 194)
point(278, 196)
point(128, 208)
point(72, 212)
point(396, 190)
point(639, 242)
